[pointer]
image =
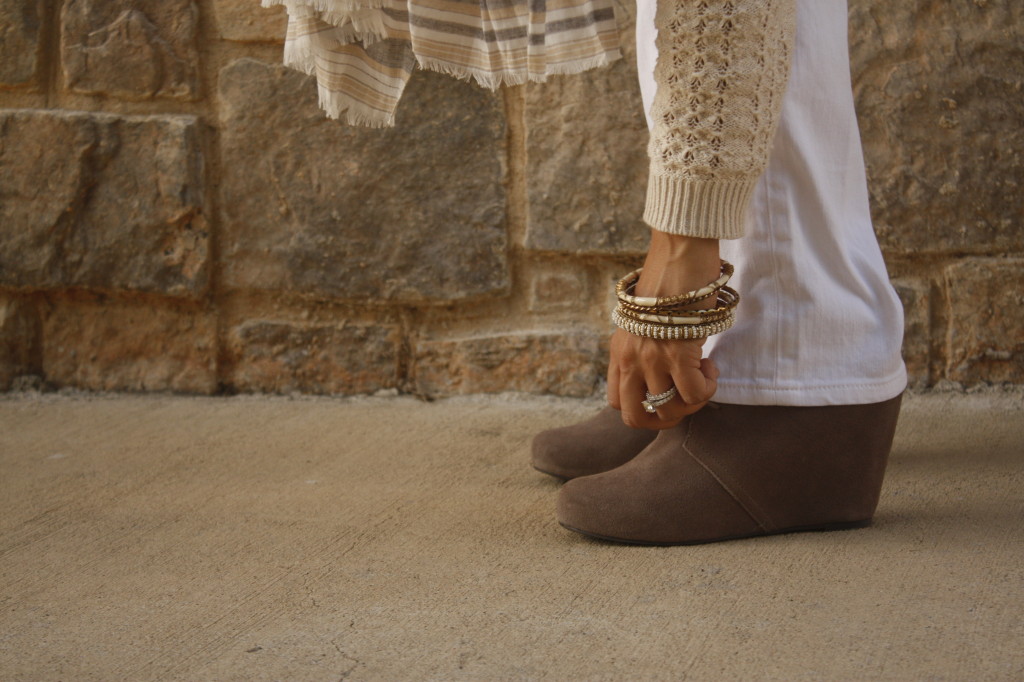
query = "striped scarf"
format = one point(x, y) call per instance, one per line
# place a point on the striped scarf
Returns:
point(362, 52)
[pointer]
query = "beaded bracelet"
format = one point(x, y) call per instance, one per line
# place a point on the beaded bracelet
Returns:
point(673, 320)
point(672, 332)
point(625, 284)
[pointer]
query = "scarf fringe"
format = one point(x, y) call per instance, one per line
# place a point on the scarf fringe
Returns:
point(325, 8)
point(341, 106)
point(327, 39)
point(361, 16)
point(301, 56)
point(366, 27)
point(493, 80)
point(353, 20)
point(336, 104)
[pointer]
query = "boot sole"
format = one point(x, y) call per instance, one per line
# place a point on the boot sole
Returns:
point(817, 528)
point(563, 479)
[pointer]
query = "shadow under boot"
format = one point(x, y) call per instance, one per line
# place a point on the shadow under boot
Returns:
point(598, 444)
point(735, 471)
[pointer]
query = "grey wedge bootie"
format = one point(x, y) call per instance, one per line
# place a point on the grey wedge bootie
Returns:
point(736, 471)
point(598, 444)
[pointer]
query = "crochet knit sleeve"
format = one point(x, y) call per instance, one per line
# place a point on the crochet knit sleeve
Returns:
point(722, 69)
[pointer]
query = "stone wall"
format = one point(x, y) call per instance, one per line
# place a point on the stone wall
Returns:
point(177, 214)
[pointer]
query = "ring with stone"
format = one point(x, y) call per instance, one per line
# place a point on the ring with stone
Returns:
point(653, 402)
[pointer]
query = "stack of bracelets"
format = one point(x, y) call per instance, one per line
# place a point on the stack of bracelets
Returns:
point(668, 318)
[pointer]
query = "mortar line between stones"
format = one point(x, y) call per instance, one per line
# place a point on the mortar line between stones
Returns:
point(48, 50)
point(217, 299)
point(517, 201)
point(517, 210)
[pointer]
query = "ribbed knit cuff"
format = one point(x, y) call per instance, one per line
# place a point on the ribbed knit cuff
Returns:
point(713, 209)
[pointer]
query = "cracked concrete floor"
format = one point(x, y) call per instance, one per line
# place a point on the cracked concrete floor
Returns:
point(154, 537)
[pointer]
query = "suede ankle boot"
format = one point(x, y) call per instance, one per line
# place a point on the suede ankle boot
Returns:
point(598, 444)
point(736, 471)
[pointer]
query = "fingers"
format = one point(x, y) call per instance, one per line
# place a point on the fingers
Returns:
point(694, 401)
point(673, 412)
point(655, 369)
point(695, 386)
point(632, 392)
point(710, 371)
point(698, 395)
point(634, 387)
point(613, 384)
point(709, 368)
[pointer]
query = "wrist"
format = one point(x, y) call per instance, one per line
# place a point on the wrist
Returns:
point(676, 263)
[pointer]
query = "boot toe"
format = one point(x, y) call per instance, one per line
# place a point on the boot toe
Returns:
point(545, 451)
point(596, 445)
point(630, 504)
point(590, 505)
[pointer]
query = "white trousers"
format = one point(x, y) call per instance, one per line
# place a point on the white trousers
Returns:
point(818, 321)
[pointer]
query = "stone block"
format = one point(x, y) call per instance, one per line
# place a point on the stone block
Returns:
point(550, 291)
point(562, 363)
point(940, 95)
point(586, 158)
point(99, 344)
point(610, 275)
point(132, 49)
point(985, 337)
point(21, 27)
point(414, 213)
point(19, 339)
point(102, 202)
point(280, 356)
point(245, 21)
point(916, 298)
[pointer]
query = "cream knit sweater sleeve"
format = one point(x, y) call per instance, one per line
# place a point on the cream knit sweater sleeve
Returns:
point(721, 73)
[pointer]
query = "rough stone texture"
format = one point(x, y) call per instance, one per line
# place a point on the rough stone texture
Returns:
point(101, 201)
point(85, 344)
point(561, 363)
point(245, 21)
point(586, 156)
point(20, 32)
point(609, 278)
point(985, 339)
point(558, 291)
point(277, 356)
point(19, 339)
point(413, 213)
point(133, 49)
point(409, 228)
point(939, 93)
point(916, 299)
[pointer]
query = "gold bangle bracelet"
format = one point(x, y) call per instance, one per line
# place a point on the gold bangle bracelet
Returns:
point(623, 286)
point(728, 299)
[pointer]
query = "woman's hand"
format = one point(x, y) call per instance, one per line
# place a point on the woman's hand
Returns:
point(637, 365)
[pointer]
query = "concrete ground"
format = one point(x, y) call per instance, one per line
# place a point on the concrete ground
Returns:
point(253, 538)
